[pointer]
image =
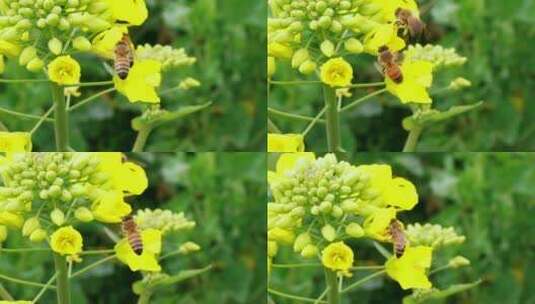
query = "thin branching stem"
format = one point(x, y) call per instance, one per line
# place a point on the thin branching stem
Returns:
point(24, 282)
point(293, 297)
point(313, 122)
point(4, 294)
point(362, 99)
point(89, 84)
point(363, 280)
point(292, 82)
point(90, 98)
point(292, 116)
point(299, 265)
point(43, 118)
point(91, 266)
point(23, 115)
point(44, 289)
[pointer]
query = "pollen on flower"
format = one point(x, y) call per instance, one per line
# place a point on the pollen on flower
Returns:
point(337, 256)
point(336, 72)
point(66, 241)
point(64, 70)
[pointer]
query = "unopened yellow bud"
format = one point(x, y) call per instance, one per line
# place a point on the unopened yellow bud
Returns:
point(55, 46)
point(81, 43)
point(189, 247)
point(310, 251)
point(353, 45)
point(57, 217)
point(327, 48)
point(328, 232)
point(38, 235)
point(271, 66)
point(459, 261)
point(354, 230)
point(307, 67)
point(30, 226)
point(3, 233)
point(301, 241)
point(299, 57)
point(83, 214)
point(35, 65)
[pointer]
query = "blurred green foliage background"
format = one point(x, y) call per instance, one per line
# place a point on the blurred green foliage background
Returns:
point(498, 39)
point(228, 40)
point(224, 193)
point(488, 197)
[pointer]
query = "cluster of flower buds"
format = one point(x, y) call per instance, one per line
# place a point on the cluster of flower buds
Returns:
point(163, 220)
point(33, 28)
point(168, 56)
point(436, 54)
point(431, 235)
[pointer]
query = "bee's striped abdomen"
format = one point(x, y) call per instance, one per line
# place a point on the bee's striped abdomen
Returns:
point(399, 240)
point(131, 232)
point(124, 57)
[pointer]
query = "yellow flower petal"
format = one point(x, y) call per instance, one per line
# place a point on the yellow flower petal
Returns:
point(417, 77)
point(410, 269)
point(285, 143)
point(147, 261)
point(64, 70)
point(11, 219)
point(376, 224)
point(109, 206)
point(66, 240)
point(105, 42)
point(383, 35)
point(401, 193)
point(143, 79)
point(133, 12)
point(15, 142)
point(124, 176)
point(336, 72)
point(337, 256)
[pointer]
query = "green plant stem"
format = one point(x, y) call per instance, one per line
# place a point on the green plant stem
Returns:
point(91, 266)
point(272, 128)
point(362, 99)
point(322, 295)
point(90, 98)
point(332, 125)
point(4, 294)
point(367, 85)
point(43, 118)
point(22, 80)
point(23, 282)
point(362, 281)
point(62, 280)
point(294, 82)
point(313, 122)
point(61, 123)
point(23, 115)
point(103, 251)
point(293, 297)
point(333, 294)
point(44, 289)
point(144, 297)
point(292, 116)
point(141, 139)
point(367, 267)
point(439, 269)
point(89, 84)
point(3, 127)
point(412, 139)
point(300, 265)
point(15, 250)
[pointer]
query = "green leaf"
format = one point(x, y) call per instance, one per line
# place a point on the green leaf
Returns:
point(179, 277)
point(437, 294)
point(434, 116)
point(139, 123)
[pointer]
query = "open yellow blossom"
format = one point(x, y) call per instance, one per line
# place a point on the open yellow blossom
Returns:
point(286, 162)
point(109, 206)
point(376, 224)
point(337, 257)
point(126, 177)
point(410, 269)
point(142, 81)
point(336, 72)
point(389, 8)
point(66, 240)
point(11, 219)
point(147, 260)
point(15, 142)
point(104, 43)
point(383, 35)
point(64, 70)
point(417, 78)
point(397, 192)
point(9, 49)
point(285, 143)
point(133, 12)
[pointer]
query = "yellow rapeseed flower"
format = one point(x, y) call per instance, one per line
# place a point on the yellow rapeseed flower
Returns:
point(66, 240)
point(64, 70)
point(104, 43)
point(410, 269)
point(287, 162)
point(133, 12)
point(15, 142)
point(126, 177)
point(376, 224)
point(417, 78)
point(337, 257)
point(389, 8)
point(285, 143)
point(142, 81)
point(336, 72)
point(109, 206)
point(147, 261)
point(383, 35)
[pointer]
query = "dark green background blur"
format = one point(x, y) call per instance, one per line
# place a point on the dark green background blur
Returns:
point(498, 37)
point(228, 39)
point(224, 193)
point(488, 197)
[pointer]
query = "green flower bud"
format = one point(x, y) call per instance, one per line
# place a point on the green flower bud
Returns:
point(57, 217)
point(327, 48)
point(299, 57)
point(328, 232)
point(81, 43)
point(35, 65)
point(353, 45)
point(78, 190)
point(54, 191)
point(38, 235)
point(337, 212)
point(3, 233)
point(459, 261)
point(66, 196)
point(55, 46)
point(354, 230)
point(30, 226)
point(83, 214)
point(307, 67)
point(310, 251)
point(301, 241)
point(272, 248)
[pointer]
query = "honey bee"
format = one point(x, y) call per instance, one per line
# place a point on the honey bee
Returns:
point(130, 230)
point(399, 241)
point(408, 22)
point(389, 64)
point(124, 56)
